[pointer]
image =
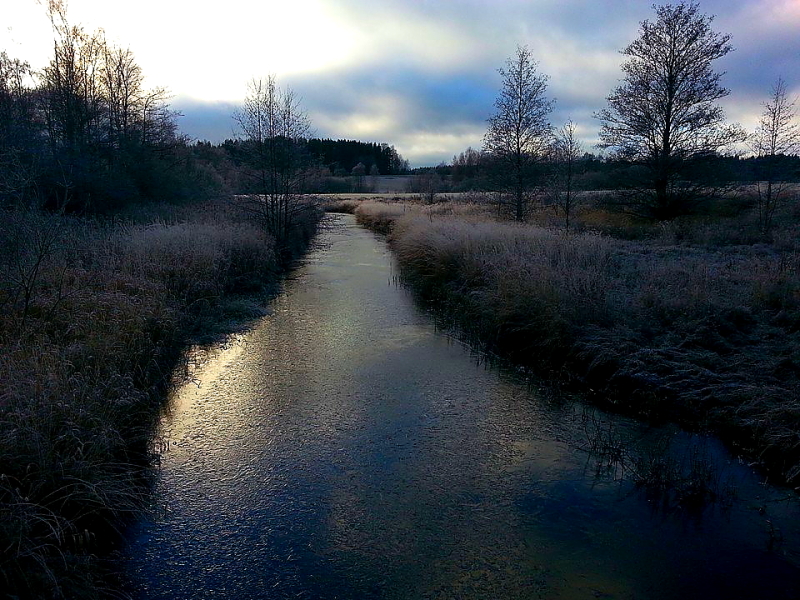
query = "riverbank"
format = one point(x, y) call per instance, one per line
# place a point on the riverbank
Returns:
point(95, 316)
point(708, 336)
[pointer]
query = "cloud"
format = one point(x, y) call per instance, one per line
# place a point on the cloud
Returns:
point(418, 74)
point(397, 107)
point(203, 120)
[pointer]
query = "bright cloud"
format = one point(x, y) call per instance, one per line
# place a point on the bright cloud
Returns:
point(419, 74)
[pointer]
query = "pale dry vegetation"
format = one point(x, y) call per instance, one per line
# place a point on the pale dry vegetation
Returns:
point(707, 335)
point(94, 318)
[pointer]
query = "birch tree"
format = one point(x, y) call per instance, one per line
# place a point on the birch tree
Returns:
point(776, 137)
point(665, 111)
point(275, 127)
point(566, 152)
point(519, 131)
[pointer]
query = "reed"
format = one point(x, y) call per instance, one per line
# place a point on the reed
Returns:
point(705, 335)
point(93, 322)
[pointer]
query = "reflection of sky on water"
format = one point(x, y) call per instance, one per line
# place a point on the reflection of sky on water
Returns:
point(343, 449)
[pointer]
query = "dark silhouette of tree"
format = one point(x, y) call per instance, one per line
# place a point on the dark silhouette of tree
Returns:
point(275, 130)
point(20, 130)
point(84, 134)
point(566, 154)
point(467, 168)
point(73, 99)
point(110, 140)
point(359, 172)
point(519, 131)
point(776, 137)
point(664, 112)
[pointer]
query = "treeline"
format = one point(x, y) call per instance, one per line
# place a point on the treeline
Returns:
point(325, 163)
point(341, 157)
point(84, 134)
point(471, 170)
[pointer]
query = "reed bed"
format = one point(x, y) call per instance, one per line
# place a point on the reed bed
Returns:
point(706, 336)
point(93, 322)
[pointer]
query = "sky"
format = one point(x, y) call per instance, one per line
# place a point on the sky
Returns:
point(418, 74)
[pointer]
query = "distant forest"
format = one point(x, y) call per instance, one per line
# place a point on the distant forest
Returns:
point(342, 156)
point(472, 170)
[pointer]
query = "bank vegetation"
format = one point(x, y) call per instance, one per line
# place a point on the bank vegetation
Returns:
point(95, 317)
point(693, 320)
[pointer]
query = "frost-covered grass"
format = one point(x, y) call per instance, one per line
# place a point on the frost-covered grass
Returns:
point(708, 335)
point(93, 319)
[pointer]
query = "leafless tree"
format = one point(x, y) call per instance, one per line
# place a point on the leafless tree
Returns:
point(18, 131)
point(73, 87)
point(427, 185)
point(16, 104)
point(274, 126)
point(566, 151)
point(374, 178)
point(108, 136)
point(665, 111)
point(467, 164)
point(122, 80)
point(776, 137)
point(519, 131)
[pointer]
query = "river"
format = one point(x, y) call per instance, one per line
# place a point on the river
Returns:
point(346, 449)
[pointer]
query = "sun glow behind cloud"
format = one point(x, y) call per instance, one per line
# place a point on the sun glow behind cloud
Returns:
point(203, 51)
point(420, 74)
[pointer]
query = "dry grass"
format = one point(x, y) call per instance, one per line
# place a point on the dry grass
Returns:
point(705, 335)
point(93, 321)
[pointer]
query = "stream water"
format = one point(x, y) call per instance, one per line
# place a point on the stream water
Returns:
point(346, 449)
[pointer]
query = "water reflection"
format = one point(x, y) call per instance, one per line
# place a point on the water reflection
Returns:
point(344, 449)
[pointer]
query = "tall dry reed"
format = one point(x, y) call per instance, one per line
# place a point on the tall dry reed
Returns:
point(705, 335)
point(93, 318)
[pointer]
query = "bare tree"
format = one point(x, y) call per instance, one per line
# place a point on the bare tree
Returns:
point(519, 131)
point(275, 126)
point(122, 80)
point(664, 113)
point(16, 103)
point(359, 173)
point(73, 87)
point(776, 137)
point(374, 178)
point(467, 165)
point(566, 151)
point(19, 131)
point(427, 184)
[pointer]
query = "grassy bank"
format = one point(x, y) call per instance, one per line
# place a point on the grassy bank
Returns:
point(705, 334)
point(94, 318)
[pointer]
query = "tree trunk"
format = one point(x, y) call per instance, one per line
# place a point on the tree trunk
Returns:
point(662, 209)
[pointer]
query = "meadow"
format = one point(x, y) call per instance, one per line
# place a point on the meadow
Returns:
point(96, 315)
point(695, 320)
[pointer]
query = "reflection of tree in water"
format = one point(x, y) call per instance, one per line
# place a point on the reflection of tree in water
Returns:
point(672, 474)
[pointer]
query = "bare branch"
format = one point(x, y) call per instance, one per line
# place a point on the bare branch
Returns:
point(519, 131)
point(664, 112)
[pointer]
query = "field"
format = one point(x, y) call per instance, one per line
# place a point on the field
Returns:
point(696, 321)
